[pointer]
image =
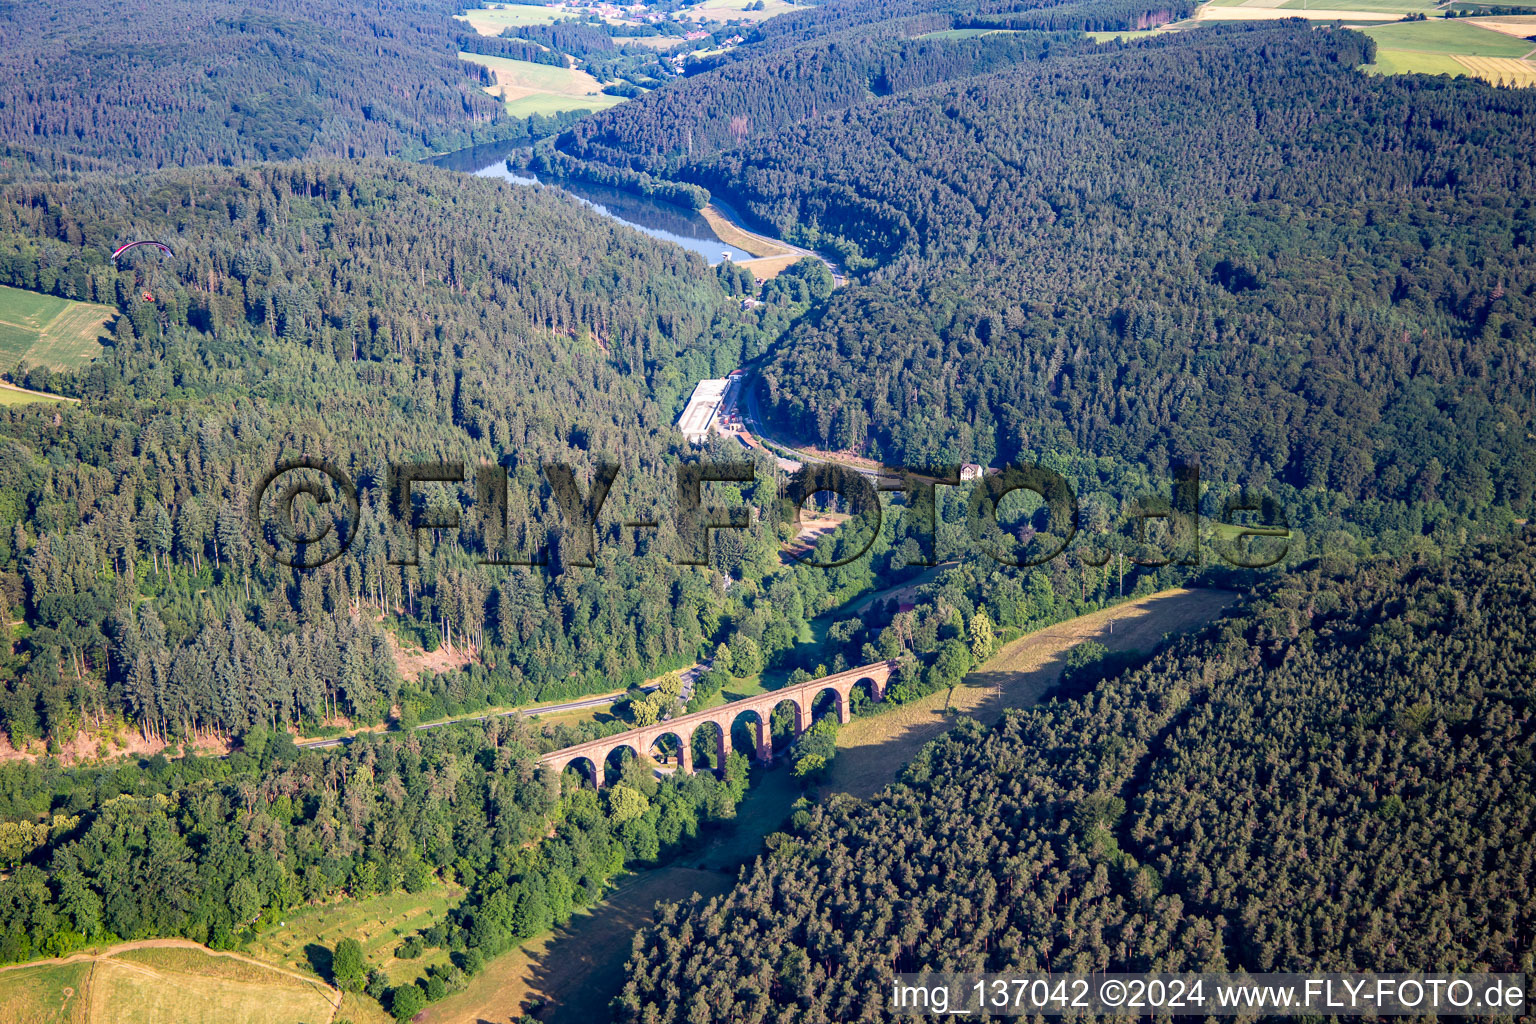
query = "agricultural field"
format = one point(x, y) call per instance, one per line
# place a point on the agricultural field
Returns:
point(1500, 70)
point(1448, 35)
point(489, 21)
point(1486, 48)
point(528, 88)
point(1519, 26)
point(1265, 10)
point(46, 993)
point(48, 331)
point(160, 982)
point(1398, 7)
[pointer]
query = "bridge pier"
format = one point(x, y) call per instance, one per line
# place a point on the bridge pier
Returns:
point(764, 740)
point(845, 707)
point(722, 748)
point(685, 756)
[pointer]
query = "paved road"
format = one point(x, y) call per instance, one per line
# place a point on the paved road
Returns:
point(689, 676)
point(752, 421)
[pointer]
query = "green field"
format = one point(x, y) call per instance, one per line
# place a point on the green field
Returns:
point(166, 984)
point(528, 88)
point(490, 21)
point(17, 396)
point(730, 10)
point(1405, 62)
point(554, 103)
point(1448, 36)
point(1105, 37)
point(379, 923)
point(47, 331)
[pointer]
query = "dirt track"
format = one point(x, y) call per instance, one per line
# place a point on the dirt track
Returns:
point(111, 952)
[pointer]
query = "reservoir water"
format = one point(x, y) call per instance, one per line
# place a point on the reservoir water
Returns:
point(665, 221)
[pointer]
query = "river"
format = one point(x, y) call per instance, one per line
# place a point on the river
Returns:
point(665, 221)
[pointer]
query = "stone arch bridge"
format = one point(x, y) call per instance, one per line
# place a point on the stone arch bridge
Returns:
point(801, 695)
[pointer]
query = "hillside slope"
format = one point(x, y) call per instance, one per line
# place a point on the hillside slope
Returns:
point(1342, 779)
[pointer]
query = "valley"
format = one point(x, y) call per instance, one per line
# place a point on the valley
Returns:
point(427, 596)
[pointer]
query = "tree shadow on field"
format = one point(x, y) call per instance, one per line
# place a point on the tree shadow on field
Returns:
point(319, 958)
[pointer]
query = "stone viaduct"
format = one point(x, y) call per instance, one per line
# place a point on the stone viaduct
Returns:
point(801, 695)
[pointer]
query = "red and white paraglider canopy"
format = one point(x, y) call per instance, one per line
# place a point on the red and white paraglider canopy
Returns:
point(159, 245)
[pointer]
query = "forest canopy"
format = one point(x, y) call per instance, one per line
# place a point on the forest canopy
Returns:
point(1224, 246)
point(1340, 777)
point(102, 85)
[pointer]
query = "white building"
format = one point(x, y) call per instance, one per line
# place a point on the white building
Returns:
point(970, 471)
point(703, 406)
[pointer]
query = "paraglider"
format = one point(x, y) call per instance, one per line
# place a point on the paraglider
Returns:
point(149, 296)
point(129, 245)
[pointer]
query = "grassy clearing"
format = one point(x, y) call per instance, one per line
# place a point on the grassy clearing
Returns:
point(1104, 37)
point(489, 21)
point(1406, 62)
point(732, 10)
point(769, 267)
point(160, 982)
point(580, 716)
point(12, 395)
point(46, 994)
point(1447, 35)
point(165, 986)
point(528, 88)
point(48, 331)
point(872, 749)
point(554, 103)
point(959, 33)
point(379, 923)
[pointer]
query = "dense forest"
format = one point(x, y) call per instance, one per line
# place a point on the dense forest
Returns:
point(746, 100)
point(373, 313)
point(215, 850)
point(502, 326)
point(96, 85)
point(1224, 250)
point(1226, 246)
point(1339, 778)
point(805, 64)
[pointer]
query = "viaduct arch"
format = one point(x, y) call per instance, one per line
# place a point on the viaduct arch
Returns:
point(801, 695)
